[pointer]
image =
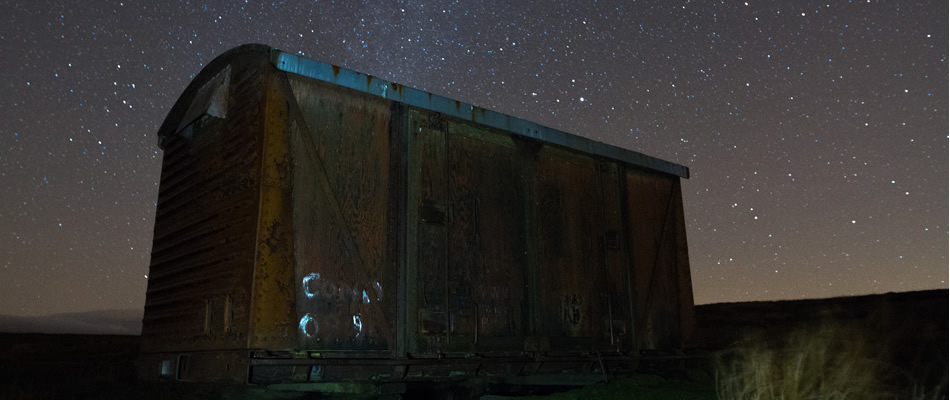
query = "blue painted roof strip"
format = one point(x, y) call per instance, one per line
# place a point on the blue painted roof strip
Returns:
point(369, 84)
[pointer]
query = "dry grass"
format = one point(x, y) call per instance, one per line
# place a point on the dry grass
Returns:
point(832, 361)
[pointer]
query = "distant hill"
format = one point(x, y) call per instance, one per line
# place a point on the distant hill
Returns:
point(102, 322)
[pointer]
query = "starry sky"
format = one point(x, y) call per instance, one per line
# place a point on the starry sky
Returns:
point(816, 132)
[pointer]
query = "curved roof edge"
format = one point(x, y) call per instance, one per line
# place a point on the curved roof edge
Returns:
point(180, 108)
point(295, 64)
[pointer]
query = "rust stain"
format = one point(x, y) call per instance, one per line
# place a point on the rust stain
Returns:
point(336, 71)
point(272, 313)
point(397, 88)
point(275, 237)
point(369, 79)
point(478, 113)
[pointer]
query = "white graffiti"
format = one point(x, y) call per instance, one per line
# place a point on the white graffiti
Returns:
point(358, 325)
point(308, 326)
point(306, 284)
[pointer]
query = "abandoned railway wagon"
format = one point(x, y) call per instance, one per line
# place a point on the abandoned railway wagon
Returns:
point(318, 225)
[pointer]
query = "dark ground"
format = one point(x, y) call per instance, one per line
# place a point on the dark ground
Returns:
point(910, 328)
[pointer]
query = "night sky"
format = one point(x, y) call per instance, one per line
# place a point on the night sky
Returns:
point(816, 132)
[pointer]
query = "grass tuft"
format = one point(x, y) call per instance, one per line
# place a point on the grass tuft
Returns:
point(831, 361)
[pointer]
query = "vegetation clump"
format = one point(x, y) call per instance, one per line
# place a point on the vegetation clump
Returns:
point(830, 361)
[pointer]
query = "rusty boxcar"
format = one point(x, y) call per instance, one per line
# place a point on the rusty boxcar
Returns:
point(319, 225)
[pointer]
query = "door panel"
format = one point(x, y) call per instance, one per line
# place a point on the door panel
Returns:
point(486, 236)
point(342, 217)
point(579, 258)
point(653, 240)
point(428, 182)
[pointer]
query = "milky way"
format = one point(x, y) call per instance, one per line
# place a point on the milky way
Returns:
point(816, 133)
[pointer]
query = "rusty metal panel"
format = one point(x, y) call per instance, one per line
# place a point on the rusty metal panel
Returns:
point(618, 322)
point(428, 191)
point(652, 217)
point(272, 311)
point(468, 235)
point(687, 312)
point(486, 276)
point(343, 236)
point(198, 295)
point(577, 232)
